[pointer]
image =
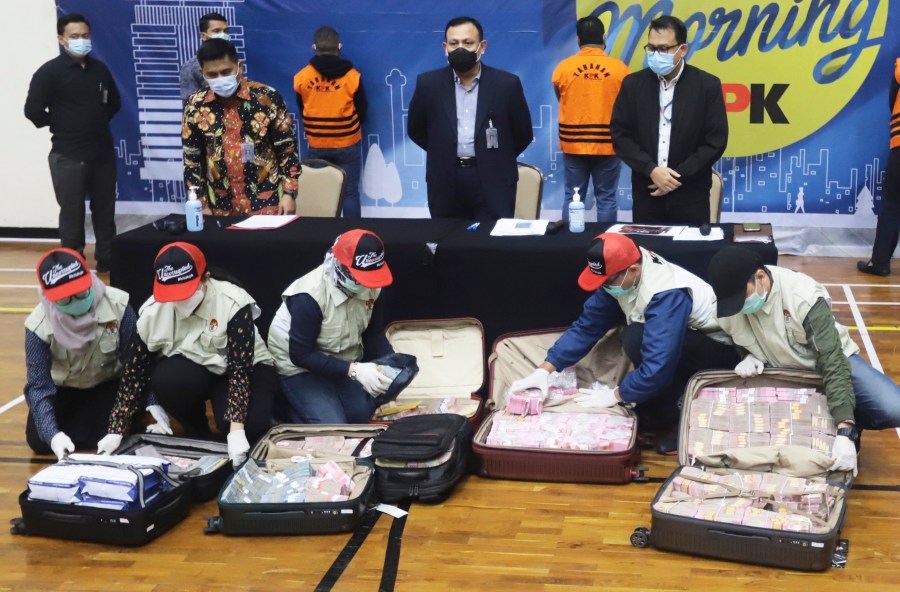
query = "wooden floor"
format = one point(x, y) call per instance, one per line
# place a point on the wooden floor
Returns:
point(490, 535)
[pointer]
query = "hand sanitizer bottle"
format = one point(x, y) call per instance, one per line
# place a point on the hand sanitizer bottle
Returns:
point(193, 211)
point(576, 213)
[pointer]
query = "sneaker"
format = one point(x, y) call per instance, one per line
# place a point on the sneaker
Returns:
point(667, 443)
point(873, 269)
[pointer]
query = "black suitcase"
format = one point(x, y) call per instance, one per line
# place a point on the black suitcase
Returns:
point(131, 528)
point(305, 517)
point(807, 551)
point(422, 457)
point(205, 486)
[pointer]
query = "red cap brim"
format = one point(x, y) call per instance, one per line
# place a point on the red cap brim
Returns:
point(590, 281)
point(378, 278)
point(175, 292)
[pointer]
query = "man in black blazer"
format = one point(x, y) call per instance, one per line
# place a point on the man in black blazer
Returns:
point(669, 125)
point(473, 122)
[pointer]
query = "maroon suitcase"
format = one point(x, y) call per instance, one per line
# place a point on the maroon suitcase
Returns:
point(514, 355)
point(808, 551)
point(450, 355)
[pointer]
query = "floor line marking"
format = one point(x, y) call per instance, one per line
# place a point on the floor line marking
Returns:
point(12, 404)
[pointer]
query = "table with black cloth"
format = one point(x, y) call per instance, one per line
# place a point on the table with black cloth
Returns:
point(508, 283)
point(524, 283)
point(265, 262)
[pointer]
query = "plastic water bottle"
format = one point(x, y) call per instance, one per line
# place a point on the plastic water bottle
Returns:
point(576, 213)
point(193, 211)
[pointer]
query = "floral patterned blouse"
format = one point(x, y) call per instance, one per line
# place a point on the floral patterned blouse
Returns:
point(240, 151)
point(139, 362)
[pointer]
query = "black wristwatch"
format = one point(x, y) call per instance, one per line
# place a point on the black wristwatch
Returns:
point(851, 432)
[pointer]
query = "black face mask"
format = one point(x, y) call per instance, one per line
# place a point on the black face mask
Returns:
point(462, 60)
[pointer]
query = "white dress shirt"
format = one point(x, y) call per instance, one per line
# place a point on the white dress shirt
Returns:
point(666, 98)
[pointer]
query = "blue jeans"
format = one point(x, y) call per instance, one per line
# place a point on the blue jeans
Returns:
point(877, 397)
point(604, 170)
point(350, 160)
point(313, 398)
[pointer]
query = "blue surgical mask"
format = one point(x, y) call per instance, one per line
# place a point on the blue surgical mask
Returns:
point(79, 47)
point(755, 302)
point(619, 291)
point(77, 305)
point(661, 63)
point(222, 36)
point(224, 86)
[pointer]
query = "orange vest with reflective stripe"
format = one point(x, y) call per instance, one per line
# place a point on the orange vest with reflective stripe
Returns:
point(895, 117)
point(588, 84)
point(329, 115)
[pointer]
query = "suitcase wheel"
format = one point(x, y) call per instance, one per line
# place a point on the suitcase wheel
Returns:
point(640, 538)
point(213, 524)
point(17, 526)
point(637, 474)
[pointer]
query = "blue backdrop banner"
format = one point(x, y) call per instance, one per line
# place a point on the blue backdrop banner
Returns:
point(805, 83)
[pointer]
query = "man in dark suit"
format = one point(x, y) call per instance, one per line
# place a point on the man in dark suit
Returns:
point(473, 122)
point(669, 125)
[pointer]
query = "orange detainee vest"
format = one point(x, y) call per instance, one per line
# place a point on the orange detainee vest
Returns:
point(895, 117)
point(588, 84)
point(329, 115)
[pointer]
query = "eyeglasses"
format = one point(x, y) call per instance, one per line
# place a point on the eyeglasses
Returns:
point(70, 299)
point(660, 48)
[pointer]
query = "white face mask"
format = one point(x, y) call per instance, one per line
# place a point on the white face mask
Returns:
point(222, 36)
point(184, 308)
point(223, 86)
point(79, 47)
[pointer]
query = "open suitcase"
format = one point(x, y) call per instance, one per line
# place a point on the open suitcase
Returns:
point(279, 448)
point(185, 454)
point(130, 528)
point(450, 355)
point(514, 356)
point(794, 525)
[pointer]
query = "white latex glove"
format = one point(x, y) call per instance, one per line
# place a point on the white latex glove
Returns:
point(61, 445)
point(162, 425)
point(749, 367)
point(238, 447)
point(109, 444)
point(374, 382)
point(537, 380)
point(600, 397)
point(844, 454)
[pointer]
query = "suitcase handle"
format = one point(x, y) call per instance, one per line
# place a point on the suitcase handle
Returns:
point(739, 535)
point(67, 518)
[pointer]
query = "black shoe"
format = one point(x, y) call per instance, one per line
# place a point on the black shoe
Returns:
point(667, 443)
point(873, 269)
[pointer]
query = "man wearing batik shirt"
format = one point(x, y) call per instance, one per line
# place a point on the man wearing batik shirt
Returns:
point(240, 150)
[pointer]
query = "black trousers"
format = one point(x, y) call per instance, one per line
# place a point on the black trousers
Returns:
point(698, 352)
point(83, 414)
point(183, 387)
point(72, 180)
point(665, 210)
point(469, 200)
point(887, 232)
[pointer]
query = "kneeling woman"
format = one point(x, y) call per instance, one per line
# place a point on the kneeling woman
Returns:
point(196, 341)
point(328, 323)
point(73, 343)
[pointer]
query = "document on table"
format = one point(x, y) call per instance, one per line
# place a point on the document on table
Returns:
point(646, 229)
point(692, 233)
point(263, 222)
point(518, 227)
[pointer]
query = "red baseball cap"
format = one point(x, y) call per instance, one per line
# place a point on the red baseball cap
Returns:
point(179, 269)
point(362, 252)
point(63, 273)
point(609, 254)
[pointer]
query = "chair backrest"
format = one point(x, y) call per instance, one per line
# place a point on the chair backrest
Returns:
point(529, 192)
point(715, 198)
point(320, 189)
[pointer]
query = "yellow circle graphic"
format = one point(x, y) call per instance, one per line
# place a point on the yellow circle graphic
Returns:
point(787, 66)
